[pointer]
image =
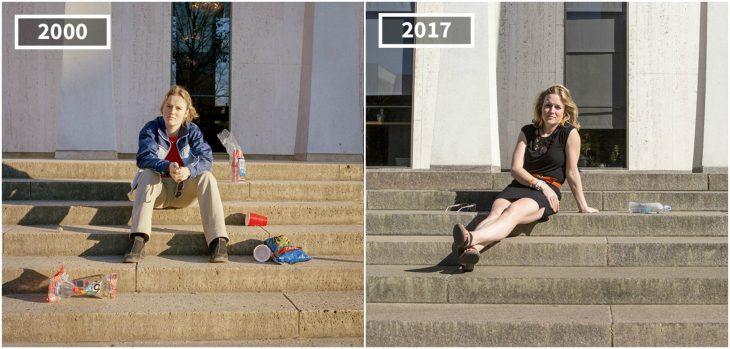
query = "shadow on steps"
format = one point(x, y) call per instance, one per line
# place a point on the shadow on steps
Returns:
point(450, 263)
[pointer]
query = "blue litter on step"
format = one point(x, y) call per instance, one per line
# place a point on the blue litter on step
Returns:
point(284, 252)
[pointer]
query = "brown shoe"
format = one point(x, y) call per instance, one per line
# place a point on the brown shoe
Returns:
point(462, 239)
point(468, 259)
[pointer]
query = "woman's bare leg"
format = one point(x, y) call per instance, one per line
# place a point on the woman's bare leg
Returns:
point(498, 206)
point(522, 211)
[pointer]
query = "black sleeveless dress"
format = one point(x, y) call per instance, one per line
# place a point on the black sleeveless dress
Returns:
point(551, 163)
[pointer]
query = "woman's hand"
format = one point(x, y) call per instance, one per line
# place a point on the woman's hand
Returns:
point(588, 210)
point(178, 173)
point(552, 197)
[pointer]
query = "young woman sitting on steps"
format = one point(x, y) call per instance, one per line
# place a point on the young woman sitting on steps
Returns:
point(545, 156)
point(175, 164)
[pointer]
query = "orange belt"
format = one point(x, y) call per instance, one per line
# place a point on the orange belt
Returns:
point(549, 180)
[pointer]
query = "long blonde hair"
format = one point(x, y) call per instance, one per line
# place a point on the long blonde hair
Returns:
point(177, 90)
point(570, 114)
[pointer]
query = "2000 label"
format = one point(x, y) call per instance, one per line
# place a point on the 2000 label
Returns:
point(62, 32)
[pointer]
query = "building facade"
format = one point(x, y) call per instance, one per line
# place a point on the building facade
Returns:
point(650, 80)
point(293, 82)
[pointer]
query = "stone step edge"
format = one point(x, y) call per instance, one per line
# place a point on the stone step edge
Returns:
point(593, 251)
point(259, 343)
point(615, 325)
point(563, 191)
point(301, 315)
point(11, 228)
point(154, 274)
point(548, 285)
point(225, 181)
point(125, 203)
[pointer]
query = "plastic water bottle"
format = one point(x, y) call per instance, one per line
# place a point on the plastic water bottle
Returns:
point(241, 167)
point(648, 207)
point(236, 165)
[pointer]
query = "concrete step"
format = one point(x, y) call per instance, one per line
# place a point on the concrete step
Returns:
point(504, 325)
point(155, 274)
point(120, 212)
point(554, 251)
point(100, 190)
point(547, 285)
point(144, 317)
point(592, 180)
point(126, 169)
point(605, 223)
point(258, 343)
point(602, 200)
point(87, 240)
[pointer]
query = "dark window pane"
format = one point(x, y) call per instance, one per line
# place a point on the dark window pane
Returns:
point(595, 72)
point(389, 89)
point(200, 62)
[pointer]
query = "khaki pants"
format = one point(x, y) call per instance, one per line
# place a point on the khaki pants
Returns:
point(156, 192)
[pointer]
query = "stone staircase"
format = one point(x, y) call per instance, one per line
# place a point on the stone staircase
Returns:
point(77, 213)
point(605, 279)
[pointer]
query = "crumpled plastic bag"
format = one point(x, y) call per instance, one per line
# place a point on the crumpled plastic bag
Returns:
point(284, 252)
point(61, 287)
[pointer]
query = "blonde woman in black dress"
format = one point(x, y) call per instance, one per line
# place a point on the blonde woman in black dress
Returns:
point(545, 156)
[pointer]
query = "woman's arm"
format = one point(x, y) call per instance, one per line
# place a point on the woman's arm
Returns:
point(147, 151)
point(572, 153)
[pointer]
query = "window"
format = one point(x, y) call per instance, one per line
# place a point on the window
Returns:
point(201, 62)
point(595, 73)
point(389, 93)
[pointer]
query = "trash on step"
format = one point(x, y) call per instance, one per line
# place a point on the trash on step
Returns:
point(262, 253)
point(100, 286)
point(461, 207)
point(255, 219)
point(648, 207)
point(284, 252)
point(235, 153)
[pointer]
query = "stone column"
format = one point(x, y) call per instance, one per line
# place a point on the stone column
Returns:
point(86, 124)
point(715, 111)
point(455, 96)
point(531, 57)
point(663, 56)
point(335, 127)
point(426, 63)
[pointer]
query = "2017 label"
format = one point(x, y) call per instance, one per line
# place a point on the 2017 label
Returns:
point(62, 32)
point(420, 30)
point(409, 30)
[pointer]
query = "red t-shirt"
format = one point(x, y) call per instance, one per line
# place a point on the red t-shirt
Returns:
point(173, 155)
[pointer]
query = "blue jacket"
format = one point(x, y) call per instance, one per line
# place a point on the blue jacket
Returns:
point(154, 145)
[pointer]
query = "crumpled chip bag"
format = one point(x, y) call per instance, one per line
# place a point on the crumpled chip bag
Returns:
point(284, 252)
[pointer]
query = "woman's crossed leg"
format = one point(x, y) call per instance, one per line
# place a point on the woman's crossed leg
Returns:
point(503, 218)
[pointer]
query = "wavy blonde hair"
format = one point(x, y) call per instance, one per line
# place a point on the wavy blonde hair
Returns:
point(177, 90)
point(570, 114)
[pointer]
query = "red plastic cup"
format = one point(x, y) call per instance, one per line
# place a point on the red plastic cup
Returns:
point(256, 220)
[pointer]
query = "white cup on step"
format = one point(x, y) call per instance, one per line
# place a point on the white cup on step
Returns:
point(262, 253)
